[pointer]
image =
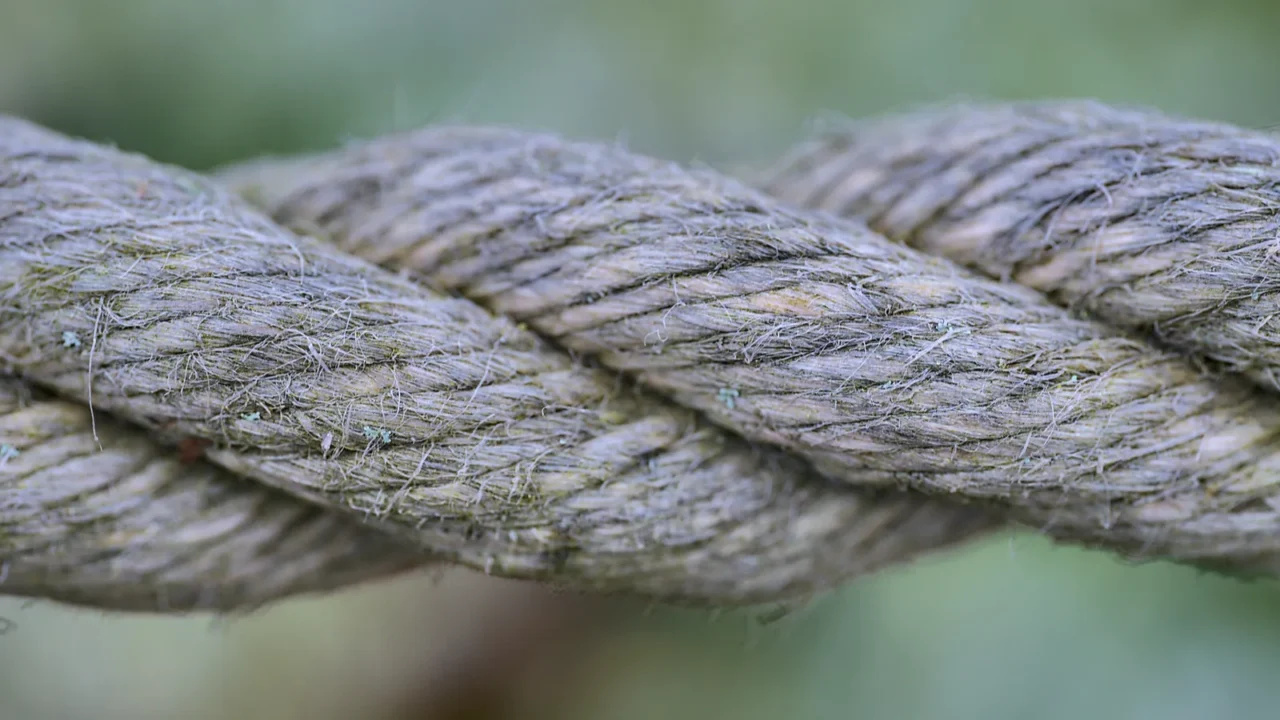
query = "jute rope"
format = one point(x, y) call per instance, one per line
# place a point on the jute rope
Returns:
point(177, 308)
point(560, 361)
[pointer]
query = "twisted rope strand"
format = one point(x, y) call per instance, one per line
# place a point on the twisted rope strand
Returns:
point(169, 304)
point(114, 522)
point(1151, 223)
point(881, 365)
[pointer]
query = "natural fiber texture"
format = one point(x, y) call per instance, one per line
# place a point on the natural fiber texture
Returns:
point(1151, 223)
point(882, 366)
point(118, 523)
point(162, 300)
point(879, 385)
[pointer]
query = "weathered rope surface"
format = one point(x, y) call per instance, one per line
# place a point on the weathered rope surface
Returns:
point(1152, 224)
point(120, 523)
point(177, 308)
point(868, 387)
point(880, 365)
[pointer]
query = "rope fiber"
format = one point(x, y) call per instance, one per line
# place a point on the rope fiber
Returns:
point(567, 362)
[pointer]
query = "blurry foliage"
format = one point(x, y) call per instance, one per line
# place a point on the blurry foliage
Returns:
point(1009, 629)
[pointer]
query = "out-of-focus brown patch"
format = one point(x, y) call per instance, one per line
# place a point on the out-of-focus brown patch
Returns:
point(191, 450)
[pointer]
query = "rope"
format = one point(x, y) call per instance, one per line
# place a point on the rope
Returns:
point(150, 294)
point(566, 362)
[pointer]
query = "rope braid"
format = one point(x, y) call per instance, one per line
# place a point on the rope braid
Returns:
point(567, 362)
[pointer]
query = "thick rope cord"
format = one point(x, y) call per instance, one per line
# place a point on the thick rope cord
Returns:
point(872, 378)
point(880, 365)
point(161, 299)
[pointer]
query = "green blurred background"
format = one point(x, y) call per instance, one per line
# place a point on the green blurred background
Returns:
point(1010, 628)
